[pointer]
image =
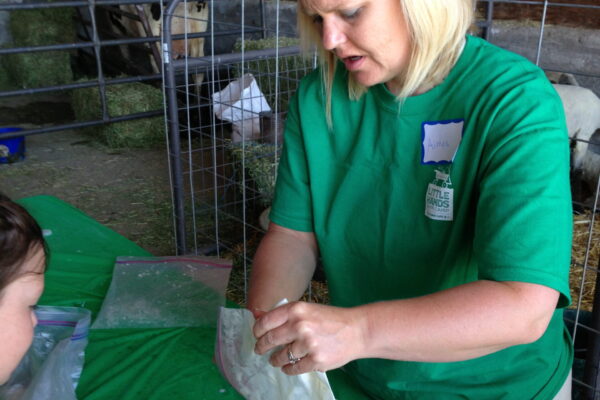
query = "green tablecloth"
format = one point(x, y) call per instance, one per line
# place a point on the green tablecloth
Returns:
point(129, 364)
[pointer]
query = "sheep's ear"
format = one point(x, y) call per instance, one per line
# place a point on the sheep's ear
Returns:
point(567, 79)
point(552, 76)
point(562, 78)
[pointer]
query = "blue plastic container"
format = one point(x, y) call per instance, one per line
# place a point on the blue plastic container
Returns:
point(13, 149)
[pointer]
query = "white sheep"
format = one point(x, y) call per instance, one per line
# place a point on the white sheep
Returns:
point(582, 111)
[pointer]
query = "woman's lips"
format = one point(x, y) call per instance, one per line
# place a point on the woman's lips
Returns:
point(353, 63)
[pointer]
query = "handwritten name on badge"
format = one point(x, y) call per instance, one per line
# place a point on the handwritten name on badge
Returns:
point(441, 140)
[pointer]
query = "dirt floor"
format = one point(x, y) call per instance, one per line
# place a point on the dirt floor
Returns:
point(127, 190)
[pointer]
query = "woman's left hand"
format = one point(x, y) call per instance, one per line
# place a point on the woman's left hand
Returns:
point(320, 337)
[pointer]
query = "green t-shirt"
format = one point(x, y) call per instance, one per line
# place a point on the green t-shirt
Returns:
point(467, 181)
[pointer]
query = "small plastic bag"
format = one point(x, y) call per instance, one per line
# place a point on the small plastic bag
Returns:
point(241, 103)
point(251, 374)
point(164, 292)
point(52, 366)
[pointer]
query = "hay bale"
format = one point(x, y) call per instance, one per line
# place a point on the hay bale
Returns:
point(6, 83)
point(259, 160)
point(125, 99)
point(40, 27)
point(291, 70)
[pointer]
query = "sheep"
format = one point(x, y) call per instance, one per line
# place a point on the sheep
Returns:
point(590, 164)
point(582, 111)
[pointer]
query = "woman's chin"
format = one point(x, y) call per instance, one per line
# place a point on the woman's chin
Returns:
point(365, 79)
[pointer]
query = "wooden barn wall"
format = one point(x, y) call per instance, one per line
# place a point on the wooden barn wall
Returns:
point(555, 15)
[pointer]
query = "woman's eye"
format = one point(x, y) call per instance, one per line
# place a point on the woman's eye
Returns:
point(351, 14)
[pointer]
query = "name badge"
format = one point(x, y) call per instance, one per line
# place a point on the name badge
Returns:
point(441, 140)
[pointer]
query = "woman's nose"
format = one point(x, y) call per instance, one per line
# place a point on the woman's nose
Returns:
point(332, 35)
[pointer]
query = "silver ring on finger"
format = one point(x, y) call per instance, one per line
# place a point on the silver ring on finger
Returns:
point(293, 360)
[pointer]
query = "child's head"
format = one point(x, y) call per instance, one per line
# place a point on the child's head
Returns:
point(22, 265)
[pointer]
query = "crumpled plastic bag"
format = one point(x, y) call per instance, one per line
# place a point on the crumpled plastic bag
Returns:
point(251, 374)
point(164, 292)
point(241, 103)
point(52, 366)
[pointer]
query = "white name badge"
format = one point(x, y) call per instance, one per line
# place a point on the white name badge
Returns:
point(441, 140)
point(439, 203)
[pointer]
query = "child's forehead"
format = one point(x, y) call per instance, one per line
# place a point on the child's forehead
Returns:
point(25, 285)
point(31, 277)
point(35, 263)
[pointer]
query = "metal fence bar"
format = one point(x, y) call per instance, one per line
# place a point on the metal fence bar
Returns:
point(78, 85)
point(488, 20)
point(225, 59)
point(592, 368)
point(86, 124)
point(174, 141)
point(78, 3)
point(589, 385)
point(116, 42)
point(263, 20)
point(98, 58)
point(213, 127)
point(541, 37)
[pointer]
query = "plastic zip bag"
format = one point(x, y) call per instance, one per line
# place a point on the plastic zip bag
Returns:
point(164, 292)
point(251, 374)
point(52, 366)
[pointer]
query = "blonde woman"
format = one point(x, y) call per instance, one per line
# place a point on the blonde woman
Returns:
point(429, 170)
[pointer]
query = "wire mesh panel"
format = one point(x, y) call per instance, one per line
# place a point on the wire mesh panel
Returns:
point(227, 111)
point(228, 116)
point(583, 317)
point(232, 135)
point(231, 158)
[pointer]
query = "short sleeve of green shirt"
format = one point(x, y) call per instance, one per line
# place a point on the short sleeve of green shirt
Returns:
point(524, 216)
point(292, 206)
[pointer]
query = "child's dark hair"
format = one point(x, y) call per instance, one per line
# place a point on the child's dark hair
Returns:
point(19, 235)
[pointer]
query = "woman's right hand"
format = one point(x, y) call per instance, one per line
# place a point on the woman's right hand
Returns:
point(320, 337)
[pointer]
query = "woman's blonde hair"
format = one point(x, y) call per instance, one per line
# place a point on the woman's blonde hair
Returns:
point(437, 29)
